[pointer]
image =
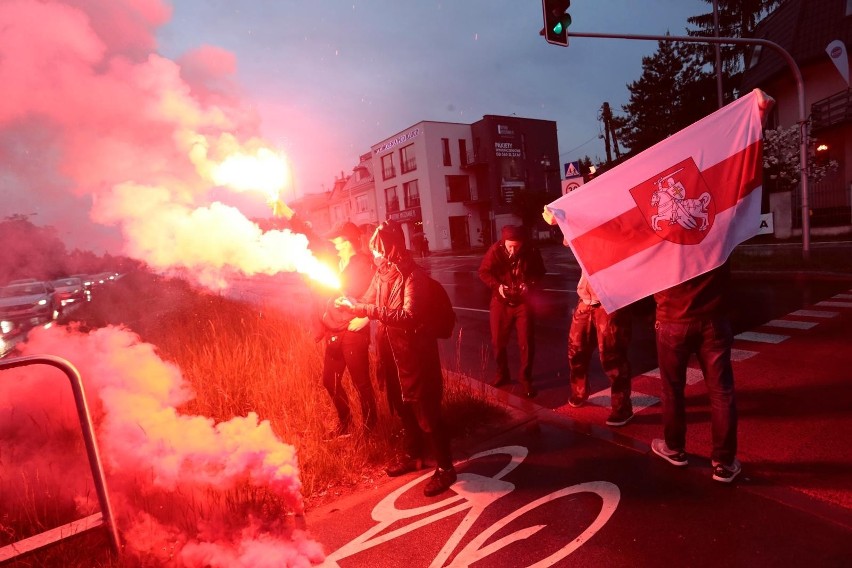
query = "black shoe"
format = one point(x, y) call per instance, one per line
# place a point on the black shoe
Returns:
point(576, 401)
point(440, 481)
point(403, 465)
point(620, 418)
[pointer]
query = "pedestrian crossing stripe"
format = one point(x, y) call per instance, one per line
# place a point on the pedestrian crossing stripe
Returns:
point(828, 304)
point(842, 297)
point(815, 313)
point(791, 324)
point(761, 337)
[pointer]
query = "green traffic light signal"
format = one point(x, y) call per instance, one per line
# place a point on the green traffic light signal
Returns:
point(562, 24)
point(556, 21)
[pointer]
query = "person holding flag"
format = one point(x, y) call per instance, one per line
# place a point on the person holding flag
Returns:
point(664, 223)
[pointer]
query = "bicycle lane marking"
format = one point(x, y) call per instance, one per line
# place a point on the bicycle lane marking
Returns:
point(476, 492)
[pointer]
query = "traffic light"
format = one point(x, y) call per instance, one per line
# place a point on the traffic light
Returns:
point(556, 21)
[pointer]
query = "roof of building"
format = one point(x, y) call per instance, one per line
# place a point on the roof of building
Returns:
point(803, 28)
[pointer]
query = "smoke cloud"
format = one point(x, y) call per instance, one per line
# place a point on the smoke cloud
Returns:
point(117, 146)
point(171, 475)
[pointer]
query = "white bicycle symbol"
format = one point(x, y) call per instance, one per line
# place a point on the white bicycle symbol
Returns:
point(476, 492)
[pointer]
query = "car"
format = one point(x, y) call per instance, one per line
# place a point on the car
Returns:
point(35, 301)
point(87, 280)
point(70, 290)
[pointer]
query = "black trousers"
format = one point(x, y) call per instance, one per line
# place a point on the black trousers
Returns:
point(349, 350)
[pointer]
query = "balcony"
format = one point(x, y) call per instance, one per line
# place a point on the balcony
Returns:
point(832, 111)
point(474, 159)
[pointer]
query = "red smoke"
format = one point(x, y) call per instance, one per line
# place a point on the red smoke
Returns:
point(163, 467)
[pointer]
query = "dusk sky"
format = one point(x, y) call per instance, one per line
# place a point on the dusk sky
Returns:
point(116, 114)
point(330, 78)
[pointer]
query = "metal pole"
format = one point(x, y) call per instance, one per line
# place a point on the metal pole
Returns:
point(800, 91)
point(84, 415)
point(718, 50)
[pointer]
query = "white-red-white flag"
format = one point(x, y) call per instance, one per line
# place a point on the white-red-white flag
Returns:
point(672, 212)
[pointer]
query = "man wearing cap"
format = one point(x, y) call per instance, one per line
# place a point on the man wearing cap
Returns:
point(347, 338)
point(511, 268)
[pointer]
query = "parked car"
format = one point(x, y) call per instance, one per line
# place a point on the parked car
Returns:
point(70, 290)
point(32, 300)
point(87, 280)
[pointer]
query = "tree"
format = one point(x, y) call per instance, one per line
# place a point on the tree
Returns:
point(668, 96)
point(781, 150)
point(737, 18)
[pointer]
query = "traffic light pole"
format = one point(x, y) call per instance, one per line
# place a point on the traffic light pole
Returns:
point(800, 90)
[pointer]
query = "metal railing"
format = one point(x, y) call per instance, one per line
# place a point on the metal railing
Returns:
point(104, 517)
point(831, 111)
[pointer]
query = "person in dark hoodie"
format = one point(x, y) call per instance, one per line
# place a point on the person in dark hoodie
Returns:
point(408, 359)
point(511, 268)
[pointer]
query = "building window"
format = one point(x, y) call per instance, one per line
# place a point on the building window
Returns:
point(458, 188)
point(407, 159)
point(412, 194)
point(391, 199)
point(361, 204)
point(445, 144)
point(463, 151)
point(388, 170)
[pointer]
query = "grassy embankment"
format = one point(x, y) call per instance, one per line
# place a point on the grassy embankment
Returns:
point(242, 358)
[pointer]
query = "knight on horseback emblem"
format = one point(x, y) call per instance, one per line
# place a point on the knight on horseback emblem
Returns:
point(674, 207)
point(677, 204)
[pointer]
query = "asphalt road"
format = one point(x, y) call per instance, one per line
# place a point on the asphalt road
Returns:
point(543, 495)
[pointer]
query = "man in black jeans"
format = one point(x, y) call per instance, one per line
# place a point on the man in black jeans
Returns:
point(511, 268)
point(691, 318)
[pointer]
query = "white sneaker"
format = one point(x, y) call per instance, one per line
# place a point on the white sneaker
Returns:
point(676, 458)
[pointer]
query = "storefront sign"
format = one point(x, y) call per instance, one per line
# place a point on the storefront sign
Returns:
point(398, 140)
point(405, 215)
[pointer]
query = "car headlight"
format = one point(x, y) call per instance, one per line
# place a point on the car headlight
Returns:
point(6, 326)
point(42, 302)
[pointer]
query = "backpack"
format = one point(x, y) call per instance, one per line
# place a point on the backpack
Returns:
point(440, 317)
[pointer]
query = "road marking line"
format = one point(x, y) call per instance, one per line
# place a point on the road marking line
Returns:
point(692, 375)
point(791, 324)
point(842, 297)
point(814, 313)
point(742, 354)
point(828, 304)
point(761, 337)
point(640, 401)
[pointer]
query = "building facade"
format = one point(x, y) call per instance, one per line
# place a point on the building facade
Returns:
point(452, 186)
point(805, 28)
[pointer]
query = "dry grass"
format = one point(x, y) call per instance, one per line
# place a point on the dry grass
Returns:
point(243, 358)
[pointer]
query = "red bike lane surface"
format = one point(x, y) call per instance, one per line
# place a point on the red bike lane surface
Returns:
point(550, 496)
point(793, 380)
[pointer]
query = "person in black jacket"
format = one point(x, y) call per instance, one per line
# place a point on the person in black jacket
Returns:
point(692, 318)
point(346, 338)
point(409, 363)
point(511, 268)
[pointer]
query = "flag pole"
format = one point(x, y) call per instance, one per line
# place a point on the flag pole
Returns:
point(800, 91)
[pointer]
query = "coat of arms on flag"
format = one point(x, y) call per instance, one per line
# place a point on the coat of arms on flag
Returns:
point(672, 212)
point(677, 203)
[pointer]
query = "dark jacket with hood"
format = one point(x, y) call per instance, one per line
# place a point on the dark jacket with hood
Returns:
point(526, 267)
point(397, 299)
